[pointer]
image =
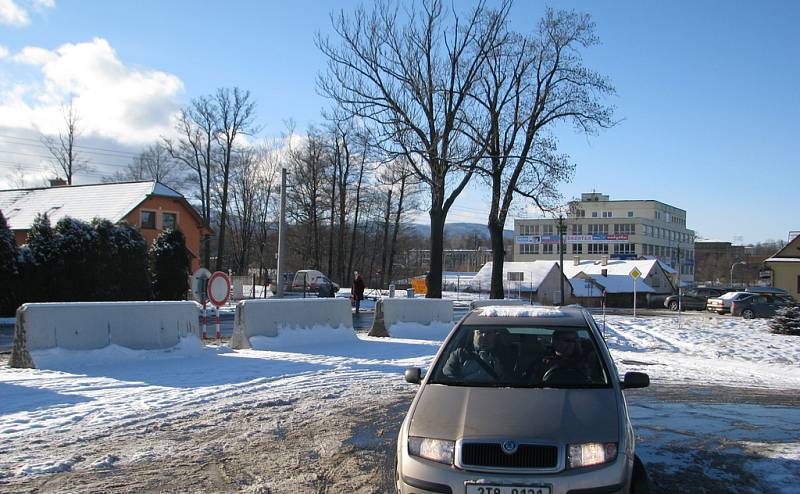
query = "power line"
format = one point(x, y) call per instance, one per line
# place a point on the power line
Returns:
point(80, 146)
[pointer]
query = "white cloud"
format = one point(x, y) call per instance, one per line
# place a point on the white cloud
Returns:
point(131, 105)
point(44, 4)
point(3, 52)
point(12, 14)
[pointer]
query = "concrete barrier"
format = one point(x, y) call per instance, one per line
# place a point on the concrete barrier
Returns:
point(475, 304)
point(267, 317)
point(420, 311)
point(94, 325)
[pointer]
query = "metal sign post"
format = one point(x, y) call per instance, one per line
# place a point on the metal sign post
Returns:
point(635, 273)
point(219, 291)
point(199, 286)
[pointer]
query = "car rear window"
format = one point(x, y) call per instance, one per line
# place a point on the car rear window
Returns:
point(521, 356)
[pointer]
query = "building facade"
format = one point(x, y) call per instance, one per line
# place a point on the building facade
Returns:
point(782, 270)
point(597, 227)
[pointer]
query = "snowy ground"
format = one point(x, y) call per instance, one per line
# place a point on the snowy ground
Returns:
point(722, 409)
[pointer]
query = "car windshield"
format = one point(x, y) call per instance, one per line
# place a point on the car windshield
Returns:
point(496, 356)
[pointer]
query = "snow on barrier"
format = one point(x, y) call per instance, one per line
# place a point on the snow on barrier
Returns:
point(475, 304)
point(95, 325)
point(321, 319)
point(418, 318)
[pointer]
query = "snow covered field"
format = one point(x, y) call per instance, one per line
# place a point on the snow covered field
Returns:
point(89, 395)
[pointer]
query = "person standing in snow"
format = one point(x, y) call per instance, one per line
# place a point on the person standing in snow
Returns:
point(357, 290)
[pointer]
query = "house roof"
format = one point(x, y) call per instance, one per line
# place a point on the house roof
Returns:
point(615, 267)
point(534, 272)
point(790, 250)
point(613, 283)
point(112, 201)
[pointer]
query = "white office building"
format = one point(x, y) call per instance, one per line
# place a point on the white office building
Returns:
point(598, 227)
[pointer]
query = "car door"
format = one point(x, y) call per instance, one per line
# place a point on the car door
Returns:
point(691, 299)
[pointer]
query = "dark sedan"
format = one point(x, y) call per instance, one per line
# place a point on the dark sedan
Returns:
point(694, 298)
point(759, 306)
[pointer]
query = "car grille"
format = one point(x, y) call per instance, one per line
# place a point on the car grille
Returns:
point(492, 455)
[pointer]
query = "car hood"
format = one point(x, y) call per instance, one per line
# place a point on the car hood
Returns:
point(548, 414)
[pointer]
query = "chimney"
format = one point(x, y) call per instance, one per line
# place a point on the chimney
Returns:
point(57, 182)
point(576, 260)
point(604, 273)
point(604, 261)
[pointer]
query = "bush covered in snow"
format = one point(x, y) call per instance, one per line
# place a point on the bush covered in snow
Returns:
point(8, 266)
point(169, 263)
point(75, 261)
point(786, 321)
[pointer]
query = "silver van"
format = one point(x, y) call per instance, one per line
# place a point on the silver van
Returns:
point(520, 400)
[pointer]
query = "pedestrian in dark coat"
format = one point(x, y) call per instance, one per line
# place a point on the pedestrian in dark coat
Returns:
point(357, 290)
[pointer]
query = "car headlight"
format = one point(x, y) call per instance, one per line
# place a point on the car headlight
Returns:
point(584, 455)
point(438, 450)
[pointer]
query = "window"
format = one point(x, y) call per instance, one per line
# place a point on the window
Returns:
point(529, 248)
point(624, 228)
point(598, 228)
point(578, 249)
point(594, 214)
point(516, 276)
point(607, 214)
point(148, 219)
point(630, 214)
point(625, 248)
point(547, 229)
point(577, 229)
point(547, 248)
point(169, 220)
point(598, 248)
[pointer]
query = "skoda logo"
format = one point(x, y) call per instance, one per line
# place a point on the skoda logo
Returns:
point(509, 447)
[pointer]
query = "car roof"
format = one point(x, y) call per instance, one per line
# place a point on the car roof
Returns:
point(526, 315)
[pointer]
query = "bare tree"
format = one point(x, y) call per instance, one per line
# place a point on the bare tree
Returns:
point(409, 78)
point(235, 116)
point(153, 163)
point(532, 83)
point(65, 158)
point(194, 148)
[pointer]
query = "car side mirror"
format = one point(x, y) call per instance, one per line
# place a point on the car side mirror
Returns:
point(635, 380)
point(413, 375)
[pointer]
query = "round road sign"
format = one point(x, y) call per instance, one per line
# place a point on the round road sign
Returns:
point(199, 284)
point(219, 288)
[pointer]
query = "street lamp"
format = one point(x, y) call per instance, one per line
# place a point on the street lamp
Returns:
point(733, 266)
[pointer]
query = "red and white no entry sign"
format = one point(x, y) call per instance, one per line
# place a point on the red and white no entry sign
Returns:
point(219, 288)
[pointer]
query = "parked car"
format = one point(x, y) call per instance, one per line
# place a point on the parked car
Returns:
point(760, 306)
point(693, 298)
point(287, 283)
point(722, 304)
point(311, 280)
point(520, 400)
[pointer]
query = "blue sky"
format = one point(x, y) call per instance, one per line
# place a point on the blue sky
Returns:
point(706, 91)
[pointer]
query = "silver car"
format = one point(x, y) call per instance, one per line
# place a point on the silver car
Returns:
point(520, 400)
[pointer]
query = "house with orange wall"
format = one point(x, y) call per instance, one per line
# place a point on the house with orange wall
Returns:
point(149, 205)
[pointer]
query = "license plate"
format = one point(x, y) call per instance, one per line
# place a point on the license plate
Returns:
point(507, 489)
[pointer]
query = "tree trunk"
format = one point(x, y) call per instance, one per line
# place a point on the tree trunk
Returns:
point(386, 217)
point(498, 258)
point(393, 249)
point(332, 222)
point(355, 219)
point(437, 252)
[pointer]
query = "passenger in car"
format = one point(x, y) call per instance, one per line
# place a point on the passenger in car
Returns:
point(567, 359)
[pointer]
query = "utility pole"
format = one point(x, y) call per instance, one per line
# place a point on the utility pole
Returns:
point(562, 230)
point(282, 235)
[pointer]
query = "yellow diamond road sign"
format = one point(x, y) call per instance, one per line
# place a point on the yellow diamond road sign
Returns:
point(635, 273)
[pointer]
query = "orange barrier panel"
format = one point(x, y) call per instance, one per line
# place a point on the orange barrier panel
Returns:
point(419, 285)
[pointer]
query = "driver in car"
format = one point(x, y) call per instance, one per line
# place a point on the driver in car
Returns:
point(479, 360)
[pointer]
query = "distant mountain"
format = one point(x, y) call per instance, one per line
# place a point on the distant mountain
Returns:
point(459, 229)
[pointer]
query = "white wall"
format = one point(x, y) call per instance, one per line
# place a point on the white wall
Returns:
point(93, 325)
point(266, 317)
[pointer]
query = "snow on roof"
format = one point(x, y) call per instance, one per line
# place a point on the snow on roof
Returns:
point(614, 267)
point(782, 259)
point(516, 311)
point(618, 283)
point(83, 202)
point(533, 273)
